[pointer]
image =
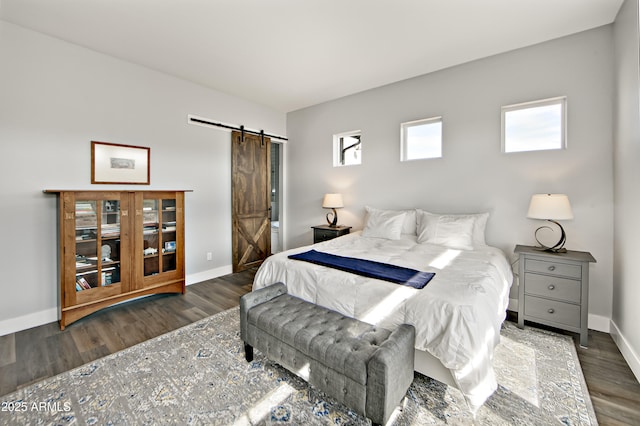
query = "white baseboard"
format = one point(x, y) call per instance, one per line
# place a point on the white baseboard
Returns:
point(632, 358)
point(599, 323)
point(24, 322)
point(208, 275)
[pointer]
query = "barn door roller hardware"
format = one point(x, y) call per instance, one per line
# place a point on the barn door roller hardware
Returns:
point(241, 128)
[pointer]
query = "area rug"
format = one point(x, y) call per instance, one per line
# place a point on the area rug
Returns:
point(198, 375)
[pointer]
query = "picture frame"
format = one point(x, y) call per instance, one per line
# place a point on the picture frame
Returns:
point(120, 164)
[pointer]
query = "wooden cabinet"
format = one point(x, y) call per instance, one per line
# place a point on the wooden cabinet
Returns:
point(117, 245)
point(554, 289)
point(325, 232)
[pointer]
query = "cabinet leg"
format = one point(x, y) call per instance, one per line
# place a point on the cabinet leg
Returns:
point(520, 320)
point(584, 339)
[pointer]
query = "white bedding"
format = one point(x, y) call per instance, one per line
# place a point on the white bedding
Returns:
point(457, 315)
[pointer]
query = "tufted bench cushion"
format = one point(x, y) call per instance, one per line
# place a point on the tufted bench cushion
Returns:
point(367, 368)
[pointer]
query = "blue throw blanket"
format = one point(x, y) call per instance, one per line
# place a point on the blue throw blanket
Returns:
point(368, 268)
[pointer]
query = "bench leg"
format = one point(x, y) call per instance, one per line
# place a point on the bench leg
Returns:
point(248, 352)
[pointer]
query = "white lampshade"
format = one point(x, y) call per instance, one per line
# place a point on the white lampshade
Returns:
point(550, 206)
point(332, 201)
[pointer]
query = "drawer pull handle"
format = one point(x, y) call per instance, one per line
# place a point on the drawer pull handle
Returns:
point(552, 268)
point(551, 287)
point(551, 310)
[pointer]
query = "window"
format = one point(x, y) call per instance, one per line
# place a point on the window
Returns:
point(421, 139)
point(534, 126)
point(347, 149)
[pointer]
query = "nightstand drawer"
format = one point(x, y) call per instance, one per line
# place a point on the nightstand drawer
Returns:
point(320, 235)
point(552, 311)
point(555, 268)
point(325, 233)
point(553, 287)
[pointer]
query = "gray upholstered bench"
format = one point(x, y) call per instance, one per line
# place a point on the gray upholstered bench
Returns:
point(365, 367)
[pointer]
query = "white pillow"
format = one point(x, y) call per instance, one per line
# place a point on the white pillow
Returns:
point(410, 225)
point(429, 225)
point(383, 223)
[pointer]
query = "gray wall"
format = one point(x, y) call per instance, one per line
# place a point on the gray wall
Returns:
point(626, 291)
point(473, 175)
point(55, 99)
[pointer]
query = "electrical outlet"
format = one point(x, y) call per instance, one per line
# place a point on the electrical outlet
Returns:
point(209, 256)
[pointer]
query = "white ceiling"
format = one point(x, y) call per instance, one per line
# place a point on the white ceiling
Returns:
point(289, 54)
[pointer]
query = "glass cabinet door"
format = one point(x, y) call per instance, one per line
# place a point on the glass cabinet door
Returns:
point(97, 232)
point(168, 235)
point(109, 259)
point(151, 237)
point(159, 235)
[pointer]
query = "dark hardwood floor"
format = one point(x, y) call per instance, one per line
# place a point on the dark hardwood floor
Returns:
point(35, 354)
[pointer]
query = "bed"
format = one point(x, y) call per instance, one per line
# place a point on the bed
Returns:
point(458, 314)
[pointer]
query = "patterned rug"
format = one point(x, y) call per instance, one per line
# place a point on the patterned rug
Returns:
point(198, 375)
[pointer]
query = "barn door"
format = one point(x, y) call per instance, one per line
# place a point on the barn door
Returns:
point(251, 199)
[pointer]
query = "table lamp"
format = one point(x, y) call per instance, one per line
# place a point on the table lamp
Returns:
point(333, 202)
point(551, 207)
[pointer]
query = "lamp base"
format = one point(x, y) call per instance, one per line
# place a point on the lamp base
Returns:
point(332, 222)
point(551, 250)
point(559, 246)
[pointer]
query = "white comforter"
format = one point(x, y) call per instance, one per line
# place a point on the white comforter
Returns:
point(457, 316)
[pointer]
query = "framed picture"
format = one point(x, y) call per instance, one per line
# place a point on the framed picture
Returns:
point(112, 163)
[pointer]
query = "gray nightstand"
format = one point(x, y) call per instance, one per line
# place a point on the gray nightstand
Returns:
point(554, 289)
point(325, 232)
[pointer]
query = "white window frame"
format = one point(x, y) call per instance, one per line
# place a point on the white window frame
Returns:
point(404, 127)
point(560, 100)
point(337, 157)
